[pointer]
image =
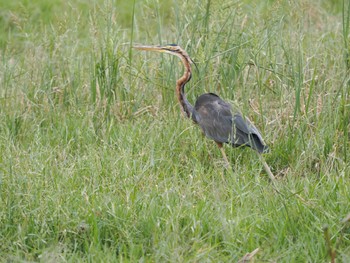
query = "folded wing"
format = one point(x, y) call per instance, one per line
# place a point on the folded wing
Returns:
point(216, 120)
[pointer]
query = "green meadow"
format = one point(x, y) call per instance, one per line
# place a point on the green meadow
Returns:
point(97, 163)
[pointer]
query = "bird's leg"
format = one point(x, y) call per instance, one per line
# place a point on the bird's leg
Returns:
point(267, 168)
point(227, 163)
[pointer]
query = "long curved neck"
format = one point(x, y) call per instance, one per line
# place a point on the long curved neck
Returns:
point(186, 107)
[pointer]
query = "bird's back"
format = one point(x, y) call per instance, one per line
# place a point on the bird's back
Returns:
point(218, 123)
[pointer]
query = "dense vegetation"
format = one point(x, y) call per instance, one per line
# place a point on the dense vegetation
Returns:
point(98, 164)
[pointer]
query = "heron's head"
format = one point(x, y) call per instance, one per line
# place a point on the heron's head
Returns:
point(172, 49)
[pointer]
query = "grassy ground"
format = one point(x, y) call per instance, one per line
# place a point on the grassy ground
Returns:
point(97, 163)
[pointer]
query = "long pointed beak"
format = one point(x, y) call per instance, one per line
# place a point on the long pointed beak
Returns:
point(149, 48)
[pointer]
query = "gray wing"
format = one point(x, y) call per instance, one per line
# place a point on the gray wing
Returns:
point(217, 122)
point(245, 133)
point(215, 119)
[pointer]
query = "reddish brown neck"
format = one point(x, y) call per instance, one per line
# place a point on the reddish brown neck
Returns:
point(186, 107)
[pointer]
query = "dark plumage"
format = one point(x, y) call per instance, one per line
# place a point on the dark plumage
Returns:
point(215, 118)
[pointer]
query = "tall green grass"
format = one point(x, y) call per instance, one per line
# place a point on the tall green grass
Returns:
point(98, 164)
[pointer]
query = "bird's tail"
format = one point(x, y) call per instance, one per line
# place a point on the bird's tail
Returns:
point(257, 144)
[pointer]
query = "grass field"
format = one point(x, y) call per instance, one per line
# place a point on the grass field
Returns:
point(97, 163)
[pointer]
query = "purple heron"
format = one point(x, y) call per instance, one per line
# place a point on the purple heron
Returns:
point(215, 117)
